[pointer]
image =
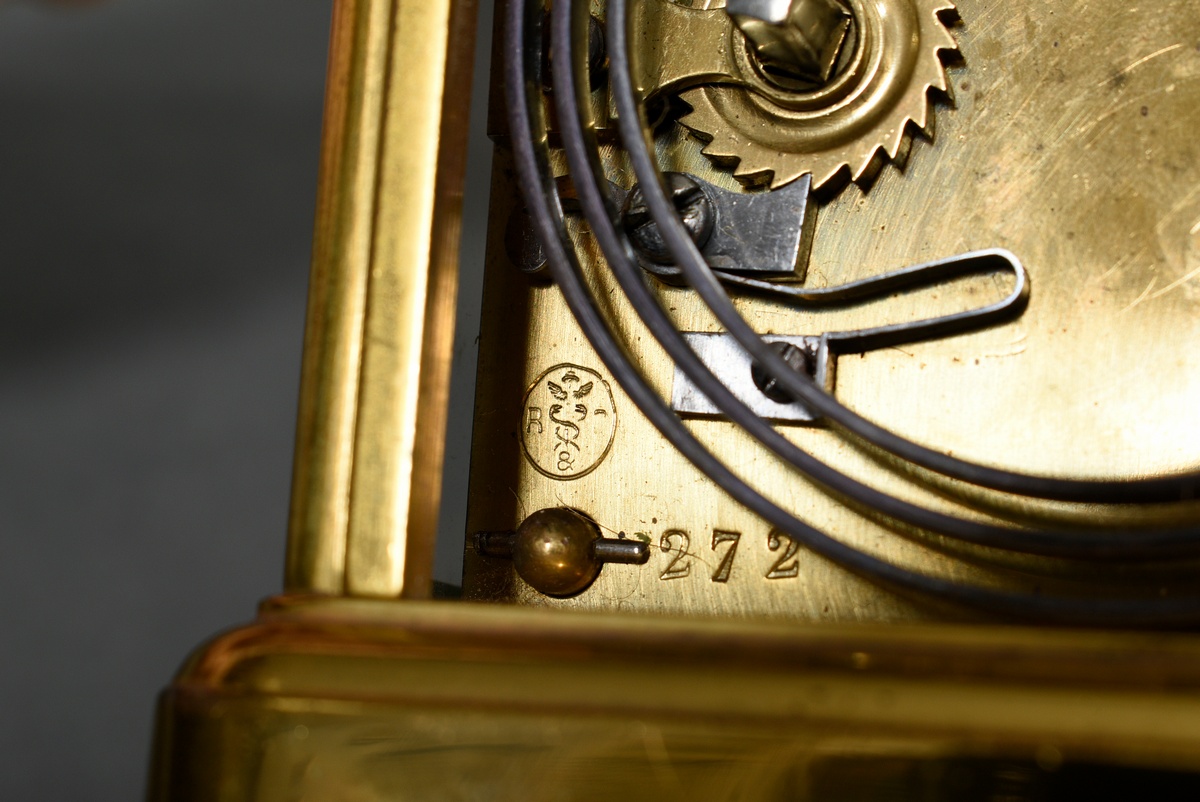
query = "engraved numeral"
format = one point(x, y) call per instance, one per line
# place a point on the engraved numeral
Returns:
point(732, 538)
point(787, 566)
point(678, 567)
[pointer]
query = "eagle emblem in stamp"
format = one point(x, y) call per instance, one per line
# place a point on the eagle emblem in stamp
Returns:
point(568, 421)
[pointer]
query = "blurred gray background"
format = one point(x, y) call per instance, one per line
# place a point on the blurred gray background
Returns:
point(158, 167)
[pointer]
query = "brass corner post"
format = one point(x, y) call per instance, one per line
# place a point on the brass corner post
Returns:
point(376, 371)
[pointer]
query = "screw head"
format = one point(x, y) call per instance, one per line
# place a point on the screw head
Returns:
point(597, 53)
point(798, 359)
point(553, 552)
point(694, 207)
point(521, 243)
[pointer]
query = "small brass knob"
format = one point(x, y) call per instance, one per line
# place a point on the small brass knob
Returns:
point(553, 551)
point(559, 551)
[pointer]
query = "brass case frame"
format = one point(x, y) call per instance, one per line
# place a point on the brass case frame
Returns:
point(339, 691)
point(374, 700)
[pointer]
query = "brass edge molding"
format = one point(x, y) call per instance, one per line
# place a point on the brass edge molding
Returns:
point(1092, 694)
point(323, 695)
point(375, 377)
point(932, 652)
point(337, 291)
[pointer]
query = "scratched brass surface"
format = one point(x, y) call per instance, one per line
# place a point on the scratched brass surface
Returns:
point(364, 700)
point(1071, 141)
point(376, 372)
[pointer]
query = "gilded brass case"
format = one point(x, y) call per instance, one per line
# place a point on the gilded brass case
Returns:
point(365, 700)
point(1069, 144)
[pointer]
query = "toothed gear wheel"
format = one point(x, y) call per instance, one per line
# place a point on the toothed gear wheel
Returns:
point(775, 136)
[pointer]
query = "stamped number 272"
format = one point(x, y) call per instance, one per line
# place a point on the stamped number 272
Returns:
point(677, 544)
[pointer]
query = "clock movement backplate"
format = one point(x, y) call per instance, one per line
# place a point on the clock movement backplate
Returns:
point(1067, 136)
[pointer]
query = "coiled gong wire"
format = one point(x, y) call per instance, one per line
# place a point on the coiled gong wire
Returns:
point(524, 63)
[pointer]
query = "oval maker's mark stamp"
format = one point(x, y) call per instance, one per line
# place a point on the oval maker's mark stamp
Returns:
point(568, 421)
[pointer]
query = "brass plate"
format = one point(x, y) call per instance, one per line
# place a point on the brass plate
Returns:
point(1071, 142)
point(341, 699)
